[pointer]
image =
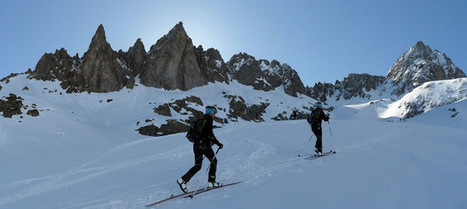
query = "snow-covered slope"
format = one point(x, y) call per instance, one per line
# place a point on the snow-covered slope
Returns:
point(82, 152)
point(426, 97)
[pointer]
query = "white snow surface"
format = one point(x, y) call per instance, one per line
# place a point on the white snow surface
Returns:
point(429, 95)
point(83, 152)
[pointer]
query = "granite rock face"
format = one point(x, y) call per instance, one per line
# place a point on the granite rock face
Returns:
point(100, 70)
point(264, 75)
point(172, 63)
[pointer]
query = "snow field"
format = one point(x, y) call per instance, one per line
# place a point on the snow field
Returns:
point(81, 153)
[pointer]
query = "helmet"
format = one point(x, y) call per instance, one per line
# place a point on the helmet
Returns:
point(210, 110)
point(318, 104)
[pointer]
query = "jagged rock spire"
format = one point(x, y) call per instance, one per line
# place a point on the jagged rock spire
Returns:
point(100, 70)
point(137, 57)
point(172, 63)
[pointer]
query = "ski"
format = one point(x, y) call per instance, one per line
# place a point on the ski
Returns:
point(315, 156)
point(190, 194)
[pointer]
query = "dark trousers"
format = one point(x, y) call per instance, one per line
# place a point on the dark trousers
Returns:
point(199, 152)
point(319, 136)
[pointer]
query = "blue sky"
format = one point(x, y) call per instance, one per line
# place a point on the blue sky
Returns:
point(324, 40)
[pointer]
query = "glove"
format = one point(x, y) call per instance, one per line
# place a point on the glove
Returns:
point(220, 145)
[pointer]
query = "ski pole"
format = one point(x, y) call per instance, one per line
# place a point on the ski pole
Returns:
point(215, 156)
point(311, 136)
point(310, 139)
point(330, 132)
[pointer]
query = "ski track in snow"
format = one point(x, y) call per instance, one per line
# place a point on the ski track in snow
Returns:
point(249, 159)
point(82, 173)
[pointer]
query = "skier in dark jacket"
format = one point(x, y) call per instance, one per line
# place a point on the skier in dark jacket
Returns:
point(202, 146)
point(315, 119)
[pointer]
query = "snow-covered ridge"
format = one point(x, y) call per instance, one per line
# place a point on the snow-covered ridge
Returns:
point(427, 97)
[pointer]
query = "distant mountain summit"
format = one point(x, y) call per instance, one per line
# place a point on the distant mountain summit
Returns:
point(420, 64)
point(416, 66)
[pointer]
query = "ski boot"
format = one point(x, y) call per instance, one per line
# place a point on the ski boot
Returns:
point(212, 185)
point(318, 152)
point(182, 185)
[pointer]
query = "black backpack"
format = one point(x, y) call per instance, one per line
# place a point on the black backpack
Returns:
point(314, 116)
point(196, 130)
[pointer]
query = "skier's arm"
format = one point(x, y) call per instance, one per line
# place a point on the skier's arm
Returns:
point(325, 116)
point(210, 134)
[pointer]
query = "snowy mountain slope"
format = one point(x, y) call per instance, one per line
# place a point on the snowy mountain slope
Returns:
point(426, 97)
point(137, 104)
point(378, 165)
point(82, 152)
point(453, 115)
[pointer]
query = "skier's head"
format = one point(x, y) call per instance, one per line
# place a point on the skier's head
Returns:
point(210, 110)
point(319, 105)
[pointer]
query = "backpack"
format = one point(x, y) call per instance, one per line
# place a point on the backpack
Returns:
point(196, 130)
point(314, 116)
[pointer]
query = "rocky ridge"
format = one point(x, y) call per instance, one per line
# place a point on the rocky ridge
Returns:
point(416, 66)
point(174, 63)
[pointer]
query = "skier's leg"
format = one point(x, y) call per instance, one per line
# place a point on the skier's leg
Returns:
point(319, 139)
point(198, 163)
point(209, 153)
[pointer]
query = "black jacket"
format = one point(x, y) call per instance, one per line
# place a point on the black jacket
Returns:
point(207, 137)
point(316, 117)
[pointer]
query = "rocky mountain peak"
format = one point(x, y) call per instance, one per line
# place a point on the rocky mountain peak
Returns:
point(176, 35)
point(172, 63)
point(100, 70)
point(212, 65)
point(99, 40)
point(420, 64)
point(55, 66)
point(136, 57)
point(265, 75)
